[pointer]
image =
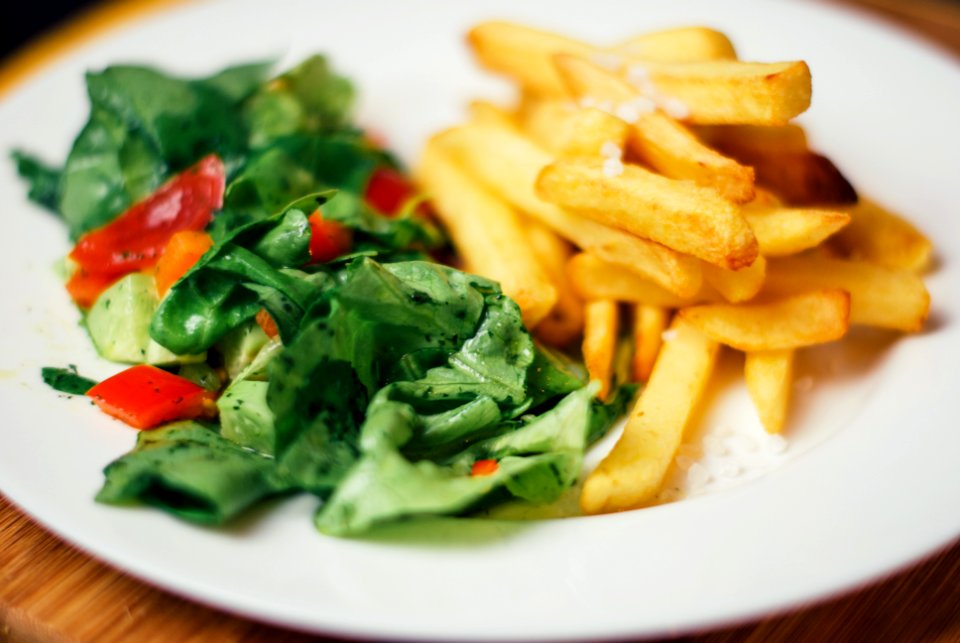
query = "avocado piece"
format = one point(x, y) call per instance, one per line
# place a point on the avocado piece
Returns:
point(245, 417)
point(119, 324)
point(240, 346)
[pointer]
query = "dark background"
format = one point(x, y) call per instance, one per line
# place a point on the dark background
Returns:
point(20, 22)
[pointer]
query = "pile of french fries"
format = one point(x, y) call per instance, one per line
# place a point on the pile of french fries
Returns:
point(661, 177)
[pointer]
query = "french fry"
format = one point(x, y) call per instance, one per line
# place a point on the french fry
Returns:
point(680, 215)
point(564, 323)
point(879, 296)
point(649, 322)
point(632, 473)
point(486, 112)
point(661, 142)
point(736, 285)
point(727, 91)
point(764, 198)
point(884, 238)
point(524, 54)
point(593, 278)
point(752, 141)
point(789, 322)
point(769, 377)
point(783, 162)
point(487, 233)
point(680, 45)
point(710, 92)
point(568, 131)
point(782, 231)
point(601, 325)
point(508, 163)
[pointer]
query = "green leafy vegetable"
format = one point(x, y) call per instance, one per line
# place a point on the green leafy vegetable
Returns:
point(192, 472)
point(391, 376)
point(66, 380)
point(44, 181)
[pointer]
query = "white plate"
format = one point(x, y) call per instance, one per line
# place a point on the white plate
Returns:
point(871, 482)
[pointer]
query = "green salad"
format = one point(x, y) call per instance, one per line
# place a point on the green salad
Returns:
point(276, 287)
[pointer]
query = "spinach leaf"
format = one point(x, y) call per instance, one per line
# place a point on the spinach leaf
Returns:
point(192, 472)
point(353, 339)
point(536, 463)
point(290, 167)
point(254, 268)
point(66, 380)
point(44, 181)
point(145, 125)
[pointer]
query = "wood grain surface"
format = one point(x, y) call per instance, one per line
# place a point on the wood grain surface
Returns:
point(51, 592)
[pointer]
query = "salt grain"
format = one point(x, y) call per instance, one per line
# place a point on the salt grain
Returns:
point(627, 113)
point(697, 477)
point(714, 446)
point(776, 444)
point(741, 444)
point(612, 62)
point(610, 150)
point(675, 108)
point(612, 167)
point(729, 470)
point(685, 462)
point(668, 335)
point(637, 74)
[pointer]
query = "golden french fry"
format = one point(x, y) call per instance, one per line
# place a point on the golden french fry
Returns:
point(632, 473)
point(680, 45)
point(508, 163)
point(805, 178)
point(783, 163)
point(649, 322)
point(601, 325)
point(564, 323)
point(736, 285)
point(785, 231)
point(524, 53)
point(487, 234)
point(661, 142)
point(486, 112)
point(709, 92)
point(593, 278)
point(769, 377)
point(764, 198)
point(804, 319)
point(755, 140)
point(882, 237)
point(678, 214)
point(879, 296)
point(727, 91)
point(566, 130)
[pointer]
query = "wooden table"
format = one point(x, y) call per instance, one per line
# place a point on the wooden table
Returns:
point(51, 592)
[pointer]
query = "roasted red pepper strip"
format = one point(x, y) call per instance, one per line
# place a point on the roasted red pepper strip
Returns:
point(84, 288)
point(388, 191)
point(266, 323)
point(145, 397)
point(328, 239)
point(134, 240)
point(484, 468)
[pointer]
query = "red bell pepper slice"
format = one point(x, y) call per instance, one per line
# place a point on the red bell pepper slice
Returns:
point(145, 397)
point(388, 191)
point(266, 323)
point(328, 239)
point(84, 288)
point(134, 240)
point(484, 468)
